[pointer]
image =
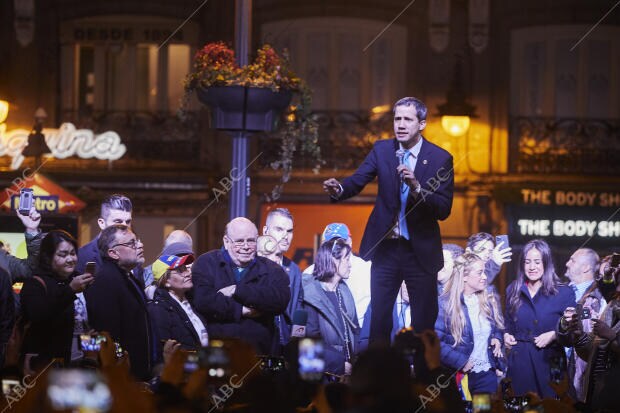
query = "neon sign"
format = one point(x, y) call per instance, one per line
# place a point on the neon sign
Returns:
point(64, 142)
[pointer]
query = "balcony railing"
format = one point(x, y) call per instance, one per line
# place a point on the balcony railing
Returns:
point(345, 137)
point(565, 146)
point(148, 135)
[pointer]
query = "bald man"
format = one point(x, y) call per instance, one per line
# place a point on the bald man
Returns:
point(239, 293)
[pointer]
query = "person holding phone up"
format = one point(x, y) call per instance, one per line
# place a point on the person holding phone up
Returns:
point(600, 348)
point(48, 301)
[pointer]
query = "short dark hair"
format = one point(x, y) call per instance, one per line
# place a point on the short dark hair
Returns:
point(115, 201)
point(279, 211)
point(420, 107)
point(108, 237)
point(476, 238)
point(49, 244)
point(454, 250)
point(324, 267)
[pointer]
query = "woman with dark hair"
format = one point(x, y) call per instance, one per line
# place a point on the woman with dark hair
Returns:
point(48, 298)
point(330, 306)
point(535, 301)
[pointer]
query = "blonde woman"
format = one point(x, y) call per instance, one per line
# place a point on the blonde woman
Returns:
point(470, 324)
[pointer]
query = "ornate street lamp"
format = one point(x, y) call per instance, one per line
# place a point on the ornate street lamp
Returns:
point(456, 113)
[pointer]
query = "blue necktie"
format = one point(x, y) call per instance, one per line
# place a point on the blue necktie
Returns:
point(404, 193)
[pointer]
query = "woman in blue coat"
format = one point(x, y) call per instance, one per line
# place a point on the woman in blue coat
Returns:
point(535, 301)
point(330, 306)
point(469, 325)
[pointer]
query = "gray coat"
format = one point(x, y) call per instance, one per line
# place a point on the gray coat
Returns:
point(20, 269)
point(322, 323)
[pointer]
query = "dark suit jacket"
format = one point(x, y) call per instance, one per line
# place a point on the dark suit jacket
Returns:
point(118, 307)
point(435, 173)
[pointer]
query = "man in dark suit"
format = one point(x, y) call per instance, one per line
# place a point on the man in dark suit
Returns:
point(402, 238)
point(116, 302)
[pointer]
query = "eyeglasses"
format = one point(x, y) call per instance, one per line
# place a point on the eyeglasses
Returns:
point(251, 242)
point(133, 244)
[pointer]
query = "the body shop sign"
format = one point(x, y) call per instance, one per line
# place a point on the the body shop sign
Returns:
point(560, 216)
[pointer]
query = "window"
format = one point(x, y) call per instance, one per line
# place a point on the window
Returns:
point(120, 64)
point(552, 78)
point(329, 54)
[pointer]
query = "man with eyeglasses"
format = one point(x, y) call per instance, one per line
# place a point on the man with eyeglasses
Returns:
point(116, 302)
point(238, 293)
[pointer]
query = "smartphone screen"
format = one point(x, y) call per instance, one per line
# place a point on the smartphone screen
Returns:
point(615, 260)
point(481, 403)
point(191, 363)
point(503, 239)
point(215, 359)
point(311, 359)
point(91, 267)
point(78, 390)
point(90, 342)
point(8, 384)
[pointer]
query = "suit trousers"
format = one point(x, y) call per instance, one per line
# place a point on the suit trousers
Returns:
point(393, 262)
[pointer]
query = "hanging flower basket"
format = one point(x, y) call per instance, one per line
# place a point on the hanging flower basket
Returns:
point(239, 108)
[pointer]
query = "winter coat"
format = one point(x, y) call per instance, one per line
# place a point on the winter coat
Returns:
point(322, 322)
point(170, 321)
point(117, 304)
point(455, 357)
point(529, 367)
point(264, 287)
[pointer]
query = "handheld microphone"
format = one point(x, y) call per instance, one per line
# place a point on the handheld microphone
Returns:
point(300, 319)
point(400, 155)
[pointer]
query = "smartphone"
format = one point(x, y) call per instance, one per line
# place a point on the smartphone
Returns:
point(215, 359)
point(615, 260)
point(25, 201)
point(92, 342)
point(91, 267)
point(481, 403)
point(583, 313)
point(311, 359)
point(271, 363)
point(192, 362)
point(78, 390)
point(557, 368)
point(8, 385)
point(118, 350)
point(503, 239)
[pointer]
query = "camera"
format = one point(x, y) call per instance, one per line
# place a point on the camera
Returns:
point(582, 313)
point(25, 201)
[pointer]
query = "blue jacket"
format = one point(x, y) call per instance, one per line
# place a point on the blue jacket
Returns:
point(529, 366)
point(322, 324)
point(436, 176)
point(455, 357)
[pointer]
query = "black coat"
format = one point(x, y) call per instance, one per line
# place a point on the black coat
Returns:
point(264, 288)
point(7, 312)
point(170, 321)
point(117, 305)
point(50, 311)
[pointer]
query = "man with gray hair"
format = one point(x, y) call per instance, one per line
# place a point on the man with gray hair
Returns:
point(116, 302)
point(581, 269)
point(238, 293)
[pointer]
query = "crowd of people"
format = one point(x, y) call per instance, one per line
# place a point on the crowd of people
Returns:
point(408, 325)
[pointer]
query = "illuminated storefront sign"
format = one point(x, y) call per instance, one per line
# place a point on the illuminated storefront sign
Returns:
point(64, 142)
point(569, 217)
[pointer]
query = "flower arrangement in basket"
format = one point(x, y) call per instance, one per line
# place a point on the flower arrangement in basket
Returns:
point(215, 65)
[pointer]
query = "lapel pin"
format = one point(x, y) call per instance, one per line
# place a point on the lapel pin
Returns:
point(424, 161)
